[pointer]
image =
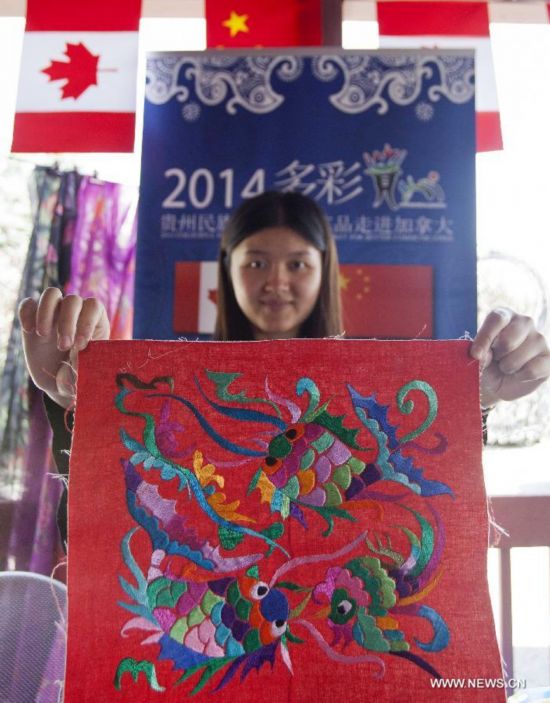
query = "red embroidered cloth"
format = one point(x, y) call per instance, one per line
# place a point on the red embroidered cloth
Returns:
point(282, 521)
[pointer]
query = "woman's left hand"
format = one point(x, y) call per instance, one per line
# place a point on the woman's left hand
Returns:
point(514, 356)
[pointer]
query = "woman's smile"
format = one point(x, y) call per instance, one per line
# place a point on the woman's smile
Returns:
point(276, 303)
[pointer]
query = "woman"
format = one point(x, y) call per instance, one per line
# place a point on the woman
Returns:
point(277, 278)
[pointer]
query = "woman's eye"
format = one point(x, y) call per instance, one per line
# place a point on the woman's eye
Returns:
point(256, 264)
point(298, 265)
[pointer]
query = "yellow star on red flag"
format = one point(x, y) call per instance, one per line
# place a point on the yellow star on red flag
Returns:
point(343, 281)
point(236, 23)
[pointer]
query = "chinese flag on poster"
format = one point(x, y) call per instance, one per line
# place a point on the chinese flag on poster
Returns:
point(387, 301)
point(248, 23)
point(449, 25)
point(77, 85)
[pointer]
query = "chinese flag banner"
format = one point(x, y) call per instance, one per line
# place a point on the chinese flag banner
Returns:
point(449, 25)
point(285, 521)
point(248, 23)
point(77, 85)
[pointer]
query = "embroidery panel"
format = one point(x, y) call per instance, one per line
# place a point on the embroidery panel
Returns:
point(274, 528)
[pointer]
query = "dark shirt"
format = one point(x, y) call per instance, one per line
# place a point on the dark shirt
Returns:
point(61, 444)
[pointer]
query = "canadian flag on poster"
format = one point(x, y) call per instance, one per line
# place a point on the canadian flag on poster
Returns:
point(77, 82)
point(195, 297)
point(449, 25)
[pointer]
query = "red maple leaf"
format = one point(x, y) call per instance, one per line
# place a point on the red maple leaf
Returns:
point(80, 71)
point(213, 295)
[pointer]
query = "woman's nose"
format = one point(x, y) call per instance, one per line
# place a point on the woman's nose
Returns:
point(277, 277)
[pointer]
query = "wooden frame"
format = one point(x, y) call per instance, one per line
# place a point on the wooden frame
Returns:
point(526, 520)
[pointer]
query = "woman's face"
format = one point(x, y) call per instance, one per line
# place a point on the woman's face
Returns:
point(276, 276)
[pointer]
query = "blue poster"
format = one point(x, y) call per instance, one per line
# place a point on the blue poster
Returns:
point(383, 141)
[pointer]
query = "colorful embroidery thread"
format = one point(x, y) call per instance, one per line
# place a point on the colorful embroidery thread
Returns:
point(204, 599)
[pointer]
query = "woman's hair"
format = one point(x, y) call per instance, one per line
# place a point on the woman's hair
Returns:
point(302, 215)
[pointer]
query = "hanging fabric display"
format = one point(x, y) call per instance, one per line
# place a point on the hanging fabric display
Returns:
point(268, 520)
point(83, 241)
point(449, 25)
point(270, 23)
point(24, 433)
point(77, 85)
point(103, 250)
point(45, 190)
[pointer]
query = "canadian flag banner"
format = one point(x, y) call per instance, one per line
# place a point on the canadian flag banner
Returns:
point(195, 296)
point(77, 84)
point(249, 23)
point(387, 301)
point(449, 25)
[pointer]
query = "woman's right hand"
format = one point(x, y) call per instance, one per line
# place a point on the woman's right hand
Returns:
point(55, 329)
